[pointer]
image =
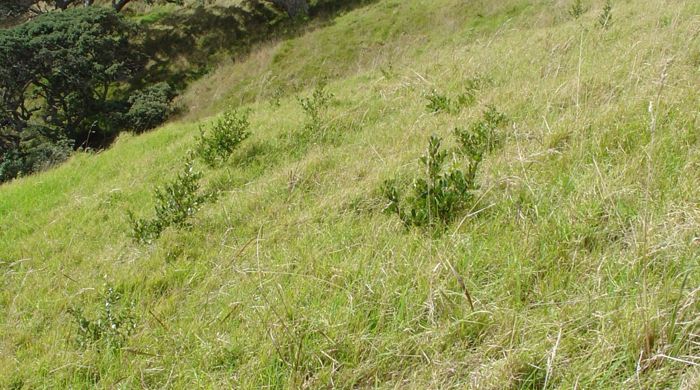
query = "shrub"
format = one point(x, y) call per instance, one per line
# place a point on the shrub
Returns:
point(434, 199)
point(111, 329)
point(605, 17)
point(149, 107)
point(225, 136)
point(176, 202)
point(438, 102)
point(576, 9)
point(315, 107)
point(482, 137)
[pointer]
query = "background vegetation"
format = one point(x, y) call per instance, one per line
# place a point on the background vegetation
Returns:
point(573, 264)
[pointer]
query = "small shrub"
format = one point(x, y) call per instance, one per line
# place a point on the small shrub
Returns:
point(605, 17)
point(149, 107)
point(439, 103)
point(434, 199)
point(276, 97)
point(111, 329)
point(482, 137)
point(471, 87)
point(315, 107)
point(229, 131)
point(176, 202)
point(576, 9)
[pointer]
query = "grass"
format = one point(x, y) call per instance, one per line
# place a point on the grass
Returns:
point(581, 254)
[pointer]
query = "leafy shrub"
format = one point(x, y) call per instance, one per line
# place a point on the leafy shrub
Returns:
point(111, 329)
point(225, 136)
point(315, 107)
point(576, 9)
point(482, 137)
point(446, 189)
point(438, 102)
point(149, 107)
point(605, 17)
point(176, 202)
point(434, 199)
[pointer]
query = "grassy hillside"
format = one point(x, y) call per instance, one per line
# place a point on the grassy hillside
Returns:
point(581, 255)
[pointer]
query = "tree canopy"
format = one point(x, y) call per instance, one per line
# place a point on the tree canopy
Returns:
point(59, 73)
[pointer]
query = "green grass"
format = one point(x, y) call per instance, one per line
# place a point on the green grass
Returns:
point(581, 255)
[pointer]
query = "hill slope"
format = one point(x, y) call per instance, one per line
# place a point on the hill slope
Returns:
point(580, 256)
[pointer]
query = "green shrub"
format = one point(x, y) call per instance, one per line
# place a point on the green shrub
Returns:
point(149, 107)
point(112, 327)
point(436, 198)
point(216, 146)
point(446, 189)
point(438, 102)
point(605, 17)
point(315, 107)
point(176, 202)
point(576, 9)
point(482, 137)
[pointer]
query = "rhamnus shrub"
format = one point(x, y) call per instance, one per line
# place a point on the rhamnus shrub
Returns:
point(435, 198)
point(228, 132)
point(448, 186)
point(176, 202)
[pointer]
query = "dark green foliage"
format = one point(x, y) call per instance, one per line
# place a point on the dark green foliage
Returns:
point(482, 137)
point(176, 202)
point(31, 151)
point(58, 73)
point(112, 327)
point(576, 9)
point(149, 107)
point(228, 132)
point(605, 17)
point(294, 8)
point(436, 198)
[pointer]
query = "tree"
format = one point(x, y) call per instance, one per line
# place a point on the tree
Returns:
point(294, 8)
point(57, 83)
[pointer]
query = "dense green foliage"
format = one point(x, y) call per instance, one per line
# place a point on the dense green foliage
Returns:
point(149, 107)
point(63, 82)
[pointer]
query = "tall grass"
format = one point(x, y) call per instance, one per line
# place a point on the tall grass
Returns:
point(576, 268)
